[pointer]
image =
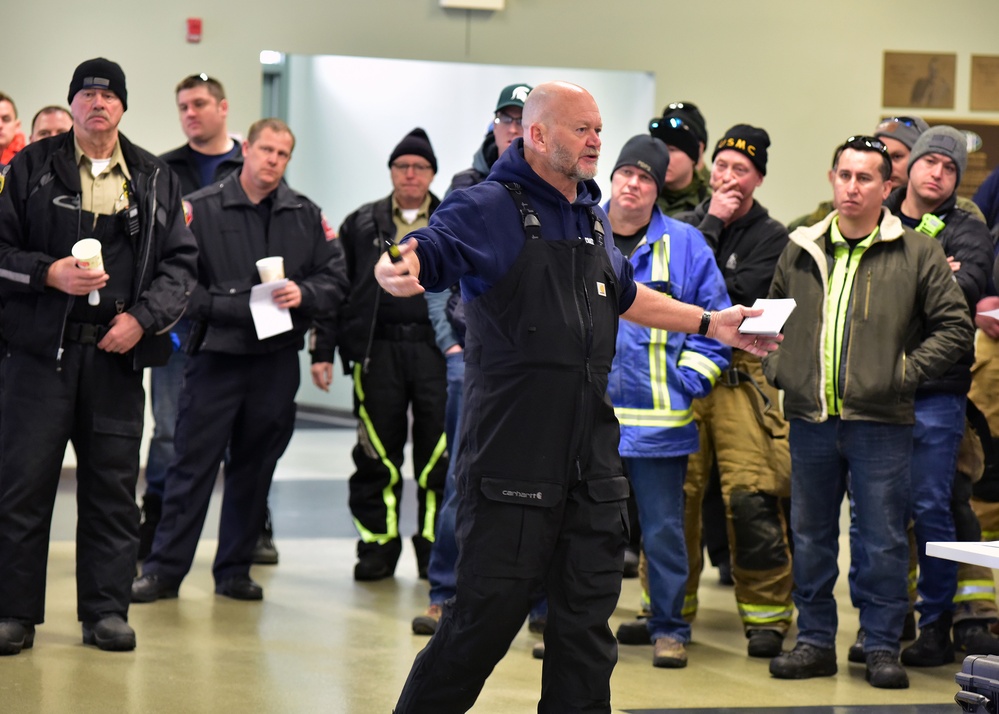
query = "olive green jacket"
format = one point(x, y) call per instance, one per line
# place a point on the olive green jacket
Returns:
point(907, 321)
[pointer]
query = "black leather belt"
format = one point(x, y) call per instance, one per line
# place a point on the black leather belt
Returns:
point(405, 332)
point(84, 333)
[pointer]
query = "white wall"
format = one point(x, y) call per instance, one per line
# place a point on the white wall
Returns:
point(348, 113)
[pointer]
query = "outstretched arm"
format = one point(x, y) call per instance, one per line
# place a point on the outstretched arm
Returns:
point(654, 309)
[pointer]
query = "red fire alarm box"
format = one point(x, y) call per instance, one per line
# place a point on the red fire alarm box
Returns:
point(194, 29)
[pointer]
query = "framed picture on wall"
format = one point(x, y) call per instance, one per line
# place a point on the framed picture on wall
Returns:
point(919, 79)
point(984, 83)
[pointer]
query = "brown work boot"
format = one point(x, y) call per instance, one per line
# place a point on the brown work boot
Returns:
point(426, 624)
point(669, 653)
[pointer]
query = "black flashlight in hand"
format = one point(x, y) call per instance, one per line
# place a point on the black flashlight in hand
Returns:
point(394, 254)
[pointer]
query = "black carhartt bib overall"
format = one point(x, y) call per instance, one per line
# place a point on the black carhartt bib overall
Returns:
point(542, 495)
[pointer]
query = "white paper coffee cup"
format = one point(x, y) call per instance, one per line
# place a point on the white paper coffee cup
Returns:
point(271, 269)
point(88, 256)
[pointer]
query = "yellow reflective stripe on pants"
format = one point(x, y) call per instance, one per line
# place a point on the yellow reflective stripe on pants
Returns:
point(388, 494)
point(430, 516)
point(764, 614)
point(968, 590)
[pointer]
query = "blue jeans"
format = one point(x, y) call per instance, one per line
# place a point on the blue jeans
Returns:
point(444, 554)
point(658, 486)
point(165, 387)
point(877, 458)
point(936, 437)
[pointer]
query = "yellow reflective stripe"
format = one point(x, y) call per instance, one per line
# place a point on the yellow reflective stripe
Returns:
point(630, 416)
point(762, 614)
point(388, 495)
point(913, 580)
point(689, 605)
point(658, 369)
point(431, 510)
point(658, 363)
point(969, 590)
point(700, 364)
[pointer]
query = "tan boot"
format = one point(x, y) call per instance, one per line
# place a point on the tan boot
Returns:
point(669, 653)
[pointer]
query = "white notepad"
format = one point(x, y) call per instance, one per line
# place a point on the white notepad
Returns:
point(770, 323)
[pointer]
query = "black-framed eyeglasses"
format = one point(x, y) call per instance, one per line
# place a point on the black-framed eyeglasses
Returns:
point(418, 168)
point(864, 143)
point(507, 120)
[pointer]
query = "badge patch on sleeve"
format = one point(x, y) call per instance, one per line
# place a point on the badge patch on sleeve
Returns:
point(601, 289)
point(188, 212)
point(330, 233)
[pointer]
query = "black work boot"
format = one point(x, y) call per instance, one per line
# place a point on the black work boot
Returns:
point(933, 646)
point(856, 651)
point(884, 671)
point(376, 561)
point(974, 637)
point(152, 509)
point(804, 662)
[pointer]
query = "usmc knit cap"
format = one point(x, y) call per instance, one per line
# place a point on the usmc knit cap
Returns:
point(513, 96)
point(748, 140)
point(647, 153)
point(904, 129)
point(99, 73)
point(417, 143)
point(945, 140)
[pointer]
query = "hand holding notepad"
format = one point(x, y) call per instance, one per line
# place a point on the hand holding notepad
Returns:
point(771, 322)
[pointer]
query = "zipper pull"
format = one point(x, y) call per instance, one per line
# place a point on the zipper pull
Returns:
point(119, 306)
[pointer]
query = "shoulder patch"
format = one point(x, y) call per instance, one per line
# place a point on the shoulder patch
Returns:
point(188, 212)
point(330, 233)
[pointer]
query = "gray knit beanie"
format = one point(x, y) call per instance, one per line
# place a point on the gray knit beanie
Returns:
point(944, 140)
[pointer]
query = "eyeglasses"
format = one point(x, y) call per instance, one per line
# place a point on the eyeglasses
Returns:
point(864, 143)
point(418, 168)
point(662, 123)
point(507, 120)
point(904, 121)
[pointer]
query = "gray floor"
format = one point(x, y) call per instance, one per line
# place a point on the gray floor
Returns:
point(321, 643)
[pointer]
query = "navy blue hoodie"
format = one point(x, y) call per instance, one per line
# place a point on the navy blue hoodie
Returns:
point(476, 234)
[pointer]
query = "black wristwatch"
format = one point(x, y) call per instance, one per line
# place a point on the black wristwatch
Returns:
point(705, 323)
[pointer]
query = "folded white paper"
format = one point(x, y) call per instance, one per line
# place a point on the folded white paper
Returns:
point(994, 314)
point(268, 318)
point(770, 323)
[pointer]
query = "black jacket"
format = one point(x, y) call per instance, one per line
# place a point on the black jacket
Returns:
point(181, 162)
point(364, 234)
point(40, 220)
point(966, 239)
point(746, 251)
point(232, 237)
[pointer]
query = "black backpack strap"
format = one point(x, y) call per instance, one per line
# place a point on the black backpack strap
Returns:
point(532, 224)
point(597, 226)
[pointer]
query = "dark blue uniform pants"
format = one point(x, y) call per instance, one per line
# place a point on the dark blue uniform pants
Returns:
point(247, 402)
